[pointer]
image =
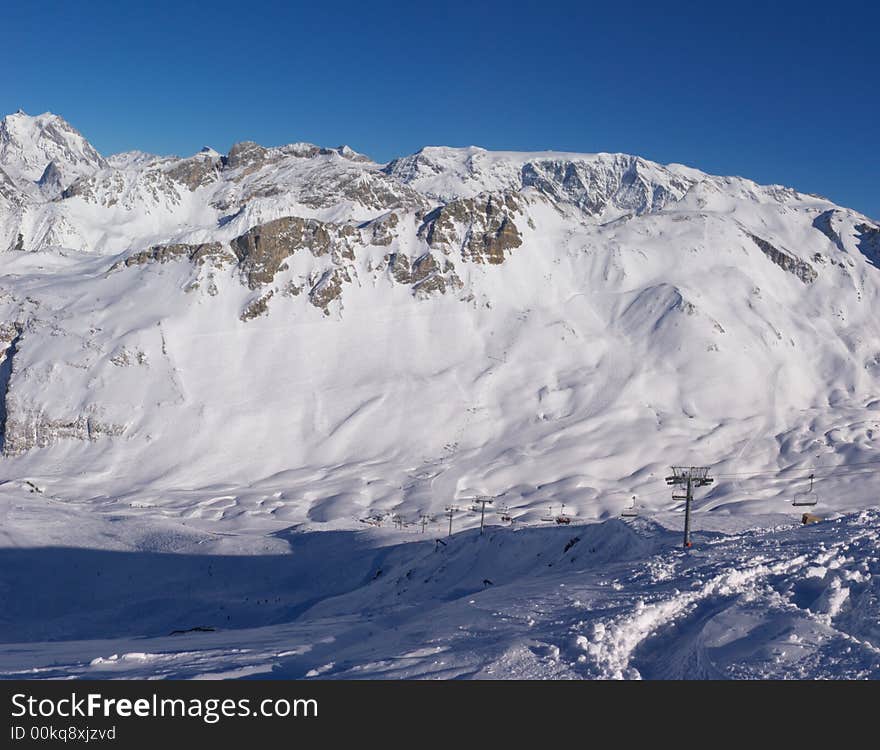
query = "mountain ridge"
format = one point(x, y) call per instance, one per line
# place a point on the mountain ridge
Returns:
point(364, 337)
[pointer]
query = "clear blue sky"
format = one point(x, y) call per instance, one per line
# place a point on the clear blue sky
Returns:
point(781, 92)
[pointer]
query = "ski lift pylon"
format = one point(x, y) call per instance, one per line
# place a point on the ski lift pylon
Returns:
point(806, 498)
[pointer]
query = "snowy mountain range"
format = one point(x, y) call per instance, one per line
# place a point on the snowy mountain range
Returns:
point(299, 335)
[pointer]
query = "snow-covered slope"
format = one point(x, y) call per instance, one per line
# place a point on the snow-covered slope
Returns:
point(297, 334)
point(115, 596)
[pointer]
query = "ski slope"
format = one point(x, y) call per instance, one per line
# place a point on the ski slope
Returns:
point(756, 597)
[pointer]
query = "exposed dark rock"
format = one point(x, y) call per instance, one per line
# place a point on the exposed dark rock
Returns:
point(800, 268)
point(423, 267)
point(481, 228)
point(197, 254)
point(328, 288)
point(262, 250)
point(398, 267)
point(382, 229)
point(291, 289)
point(195, 172)
point(247, 155)
point(258, 307)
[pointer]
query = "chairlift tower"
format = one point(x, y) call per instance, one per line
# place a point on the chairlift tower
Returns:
point(688, 477)
point(450, 512)
point(483, 500)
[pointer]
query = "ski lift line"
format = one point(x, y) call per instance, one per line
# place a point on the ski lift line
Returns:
point(790, 475)
point(792, 470)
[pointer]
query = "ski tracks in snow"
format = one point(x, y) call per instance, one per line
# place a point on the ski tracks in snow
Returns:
point(745, 571)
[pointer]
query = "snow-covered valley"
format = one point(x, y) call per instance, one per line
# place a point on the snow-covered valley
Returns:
point(219, 371)
point(756, 597)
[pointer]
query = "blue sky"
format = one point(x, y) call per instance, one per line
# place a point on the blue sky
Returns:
point(781, 92)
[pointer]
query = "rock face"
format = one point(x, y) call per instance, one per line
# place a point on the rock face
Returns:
point(200, 170)
point(624, 182)
point(262, 250)
point(198, 254)
point(426, 274)
point(327, 288)
point(800, 268)
point(481, 229)
point(258, 307)
point(245, 156)
point(26, 429)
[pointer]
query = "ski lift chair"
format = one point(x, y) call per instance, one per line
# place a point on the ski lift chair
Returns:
point(630, 511)
point(808, 498)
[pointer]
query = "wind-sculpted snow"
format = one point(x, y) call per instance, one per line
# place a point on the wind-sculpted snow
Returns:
point(361, 340)
point(125, 594)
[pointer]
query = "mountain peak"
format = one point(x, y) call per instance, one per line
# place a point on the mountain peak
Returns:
point(28, 143)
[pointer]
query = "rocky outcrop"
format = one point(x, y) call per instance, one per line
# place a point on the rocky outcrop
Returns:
point(426, 274)
point(246, 156)
point(198, 254)
point(482, 229)
point(382, 230)
point(262, 250)
point(195, 172)
point(30, 428)
point(328, 288)
point(800, 268)
point(258, 307)
point(328, 185)
point(398, 267)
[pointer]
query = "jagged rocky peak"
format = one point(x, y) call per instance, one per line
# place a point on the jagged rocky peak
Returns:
point(245, 154)
point(29, 144)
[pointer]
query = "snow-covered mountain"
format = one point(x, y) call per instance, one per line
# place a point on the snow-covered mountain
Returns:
point(45, 150)
point(298, 334)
